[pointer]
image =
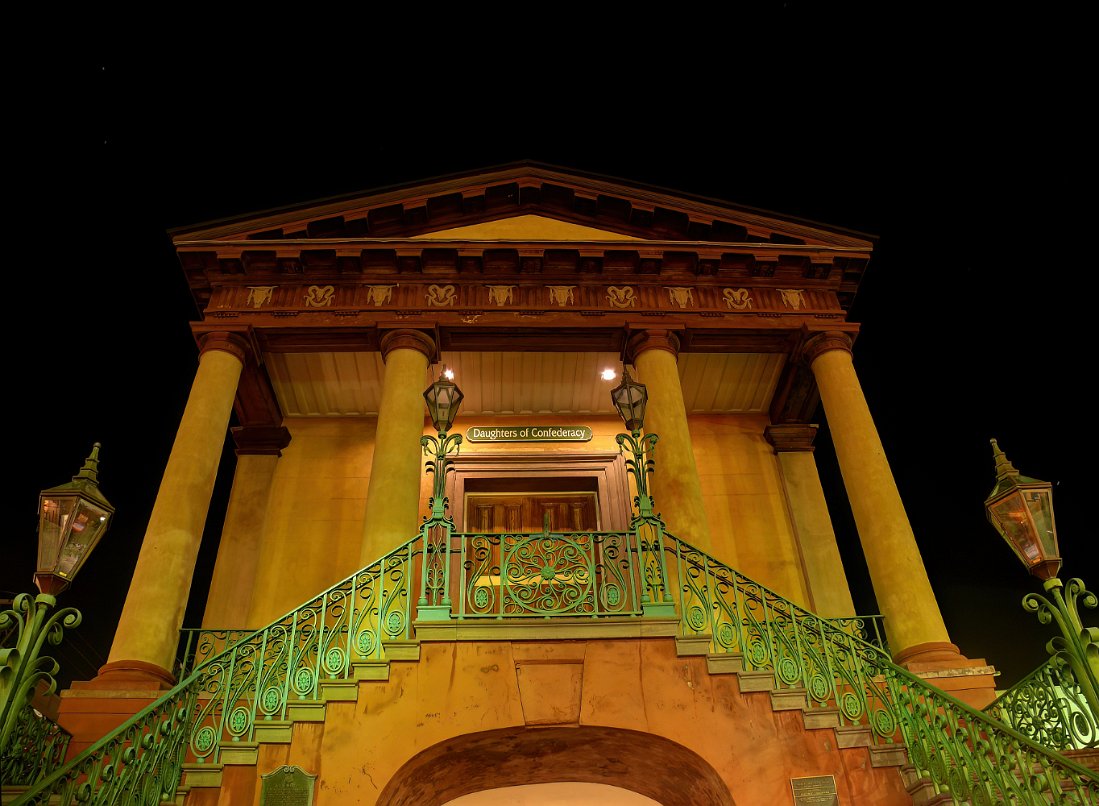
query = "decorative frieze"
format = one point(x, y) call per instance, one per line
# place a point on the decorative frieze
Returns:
point(440, 296)
point(379, 295)
point(319, 296)
point(623, 297)
point(680, 295)
point(260, 295)
point(649, 299)
point(738, 299)
point(561, 295)
point(500, 294)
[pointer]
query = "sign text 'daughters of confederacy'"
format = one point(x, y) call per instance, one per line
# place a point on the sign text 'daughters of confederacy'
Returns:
point(529, 433)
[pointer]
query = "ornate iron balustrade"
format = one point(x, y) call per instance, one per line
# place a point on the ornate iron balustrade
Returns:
point(1049, 707)
point(36, 748)
point(198, 645)
point(539, 575)
point(262, 677)
point(964, 753)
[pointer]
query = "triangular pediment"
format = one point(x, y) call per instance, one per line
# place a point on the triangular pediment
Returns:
point(526, 228)
point(522, 201)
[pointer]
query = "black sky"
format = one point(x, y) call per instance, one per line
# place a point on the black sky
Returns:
point(972, 311)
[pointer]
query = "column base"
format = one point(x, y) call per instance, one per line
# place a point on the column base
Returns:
point(129, 675)
point(940, 663)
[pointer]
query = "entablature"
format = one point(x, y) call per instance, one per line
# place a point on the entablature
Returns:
point(378, 268)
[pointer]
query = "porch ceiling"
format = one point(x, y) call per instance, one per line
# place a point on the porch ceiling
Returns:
point(348, 384)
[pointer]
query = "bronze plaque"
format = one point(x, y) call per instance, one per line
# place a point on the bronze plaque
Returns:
point(287, 786)
point(816, 790)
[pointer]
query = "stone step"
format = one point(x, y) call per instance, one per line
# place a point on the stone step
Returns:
point(239, 753)
point(815, 718)
point(725, 663)
point(693, 644)
point(202, 775)
point(756, 681)
point(370, 670)
point(342, 690)
point(888, 755)
point(306, 711)
point(401, 650)
point(854, 736)
point(789, 699)
point(274, 731)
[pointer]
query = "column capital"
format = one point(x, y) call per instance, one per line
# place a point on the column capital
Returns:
point(644, 340)
point(232, 343)
point(261, 440)
point(822, 343)
point(788, 437)
point(407, 340)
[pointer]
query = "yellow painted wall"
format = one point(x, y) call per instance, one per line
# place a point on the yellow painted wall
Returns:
point(318, 500)
point(315, 516)
point(745, 502)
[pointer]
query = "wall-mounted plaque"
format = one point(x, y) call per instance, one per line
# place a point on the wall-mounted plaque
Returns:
point(529, 433)
point(287, 786)
point(815, 790)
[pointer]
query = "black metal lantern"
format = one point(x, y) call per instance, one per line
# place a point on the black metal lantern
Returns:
point(1021, 510)
point(443, 399)
point(630, 397)
point(72, 518)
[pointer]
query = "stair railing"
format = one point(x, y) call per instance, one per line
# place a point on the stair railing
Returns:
point(967, 755)
point(1049, 707)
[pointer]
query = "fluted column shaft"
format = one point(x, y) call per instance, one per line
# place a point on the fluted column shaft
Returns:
point(676, 489)
point(912, 617)
point(393, 492)
point(148, 630)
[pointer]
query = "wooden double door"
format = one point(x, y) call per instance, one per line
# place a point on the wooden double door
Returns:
point(529, 512)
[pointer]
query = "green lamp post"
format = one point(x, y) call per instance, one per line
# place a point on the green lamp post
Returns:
point(630, 399)
point(1021, 510)
point(72, 518)
point(443, 399)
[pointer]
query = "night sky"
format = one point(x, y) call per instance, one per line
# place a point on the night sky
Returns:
point(971, 310)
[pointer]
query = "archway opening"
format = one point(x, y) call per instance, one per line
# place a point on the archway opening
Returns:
point(649, 765)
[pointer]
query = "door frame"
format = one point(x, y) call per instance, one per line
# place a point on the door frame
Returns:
point(607, 468)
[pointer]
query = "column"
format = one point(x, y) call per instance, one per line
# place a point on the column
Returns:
point(677, 493)
point(229, 602)
point(393, 492)
point(912, 619)
point(829, 594)
point(144, 646)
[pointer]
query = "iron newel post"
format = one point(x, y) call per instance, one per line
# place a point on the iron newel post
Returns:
point(1021, 510)
point(72, 519)
point(630, 398)
point(443, 400)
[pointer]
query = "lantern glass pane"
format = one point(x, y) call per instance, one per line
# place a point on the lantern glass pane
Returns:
point(55, 514)
point(87, 525)
point(1040, 504)
point(1011, 517)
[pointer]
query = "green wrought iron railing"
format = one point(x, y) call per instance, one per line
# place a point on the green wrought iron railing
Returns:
point(36, 748)
point(967, 755)
point(964, 753)
point(237, 684)
point(1049, 707)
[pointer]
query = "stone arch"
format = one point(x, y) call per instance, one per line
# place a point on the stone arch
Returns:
point(651, 765)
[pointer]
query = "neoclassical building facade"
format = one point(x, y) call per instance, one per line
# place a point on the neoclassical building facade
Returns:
point(396, 655)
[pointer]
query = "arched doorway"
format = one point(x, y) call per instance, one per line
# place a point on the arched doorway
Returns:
point(649, 765)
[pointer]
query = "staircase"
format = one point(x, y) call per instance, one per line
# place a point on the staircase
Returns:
point(296, 679)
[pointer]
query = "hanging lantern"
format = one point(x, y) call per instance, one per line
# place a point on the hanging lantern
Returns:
point(443, 399)
point(72, 518)
point(1021, 510)
point(630, 397)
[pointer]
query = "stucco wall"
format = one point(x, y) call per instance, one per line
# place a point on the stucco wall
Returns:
point(313, 523)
